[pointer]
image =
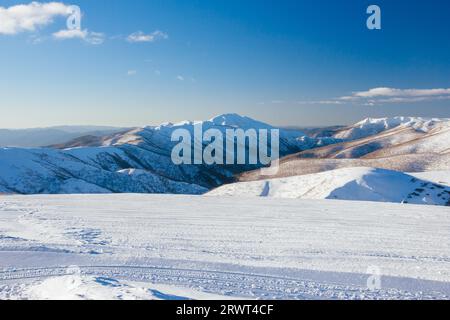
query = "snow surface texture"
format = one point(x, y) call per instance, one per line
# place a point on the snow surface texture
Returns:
point(440, 177)
point(360, 184)
point(178, 247)
point(82, 287)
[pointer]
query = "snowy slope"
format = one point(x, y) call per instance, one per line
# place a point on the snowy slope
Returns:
point(90, 170)
point(296, 166)
point(166, 246)
point(81, 287)
point(439, 177)
point(359, 184)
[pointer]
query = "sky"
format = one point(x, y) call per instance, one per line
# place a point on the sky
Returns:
point(288, 63)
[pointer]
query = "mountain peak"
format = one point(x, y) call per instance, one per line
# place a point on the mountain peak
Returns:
point(230, 117)
point(238, 121)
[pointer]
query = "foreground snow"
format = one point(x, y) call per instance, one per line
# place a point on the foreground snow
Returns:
point(360, 184)
point(174, 247)
point(80, 287)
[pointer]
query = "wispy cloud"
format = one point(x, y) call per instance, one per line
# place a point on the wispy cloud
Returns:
point(36, 39)
point(131, 73)
point(85, 35)
point(385, 95)
point(180, 78)
point(143, 37)
point(391, 92)
point(330, 102)
point(30, 17)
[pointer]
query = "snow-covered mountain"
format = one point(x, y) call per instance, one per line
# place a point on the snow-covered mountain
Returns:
point(402, 144)
point(290, 140)
point(373, 126)
point(138, 160)
point(359, 184)
point(376, 138)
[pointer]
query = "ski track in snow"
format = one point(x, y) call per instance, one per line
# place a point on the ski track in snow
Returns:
point(184, 247)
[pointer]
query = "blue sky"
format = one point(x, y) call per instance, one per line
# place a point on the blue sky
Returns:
point(302, 63)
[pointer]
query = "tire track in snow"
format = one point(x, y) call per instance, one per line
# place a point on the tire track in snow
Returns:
point(230, 283)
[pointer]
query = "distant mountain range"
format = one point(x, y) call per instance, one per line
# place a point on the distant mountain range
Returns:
point(138, 160)
point(40, 137)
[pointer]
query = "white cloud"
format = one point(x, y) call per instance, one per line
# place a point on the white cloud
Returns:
point(70, 34)
point(157, 72)
point(131, 73)
point(29, 17)
point(384, 95)
point(95, 38)
point(391, 92)
point(89, 37)
point(181, 78)
point(151, 37)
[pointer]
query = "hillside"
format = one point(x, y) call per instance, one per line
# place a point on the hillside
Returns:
point(137, 161)
point(378, 138)
point(403, 144)
point(357, 184)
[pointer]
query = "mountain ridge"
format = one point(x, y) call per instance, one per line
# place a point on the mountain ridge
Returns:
point(138, 160)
